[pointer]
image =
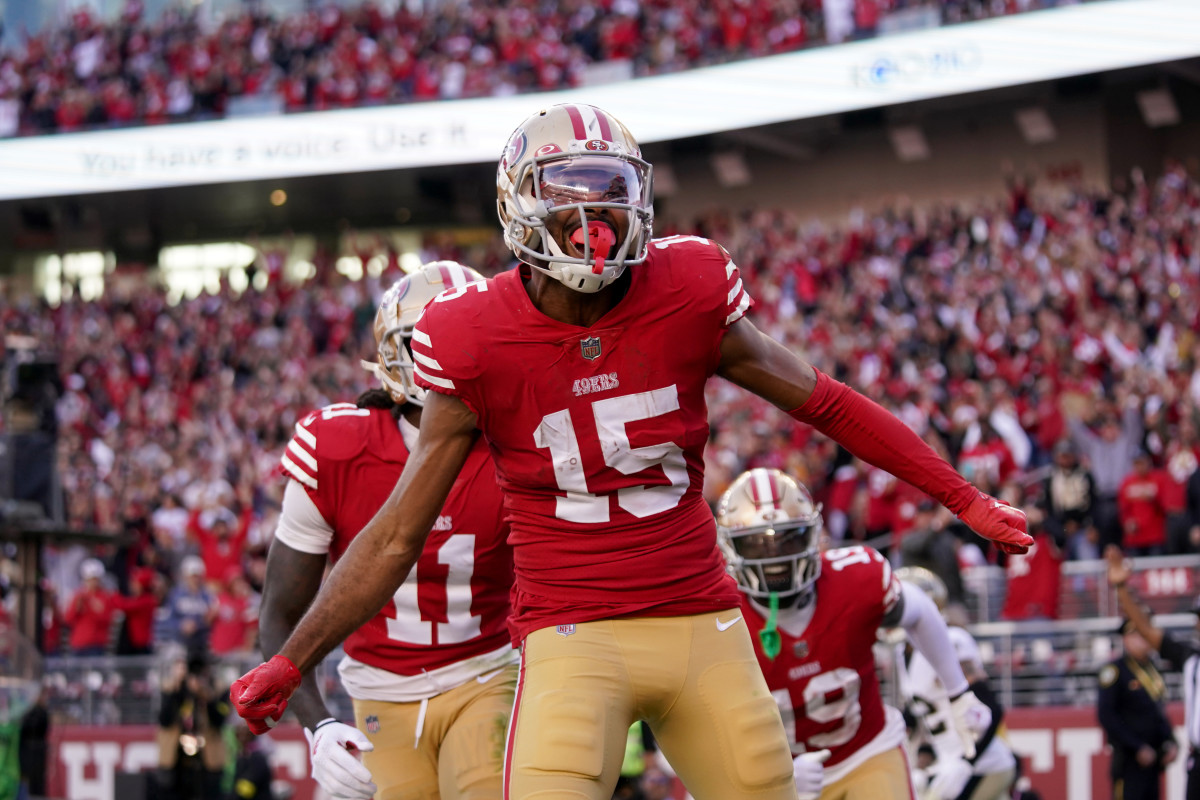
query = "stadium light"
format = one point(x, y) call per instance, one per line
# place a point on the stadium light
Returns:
point(909, 143)
point(1035, 125)
point(1158, 108)
point(730, 169)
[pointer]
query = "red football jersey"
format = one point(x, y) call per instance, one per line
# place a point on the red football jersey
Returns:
point(598, 433)
point(454, 604)
point(1033, 580)
point(824, 678)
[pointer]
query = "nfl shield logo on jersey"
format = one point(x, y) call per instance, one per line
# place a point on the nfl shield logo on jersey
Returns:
point(590, 347)
point(565, 630)
point(800, 649)
point(372, 724)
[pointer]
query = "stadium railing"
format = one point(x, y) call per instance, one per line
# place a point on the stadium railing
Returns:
point(1031, 662)
point(1166, 584)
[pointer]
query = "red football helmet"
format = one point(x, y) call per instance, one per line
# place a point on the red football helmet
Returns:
point(575, 159)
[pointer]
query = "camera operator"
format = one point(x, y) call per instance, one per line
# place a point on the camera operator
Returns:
point(191, 750)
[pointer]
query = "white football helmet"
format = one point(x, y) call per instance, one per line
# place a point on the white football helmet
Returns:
point(575, 158)
point(398, 312)
point(928, 582)
point(769, 530)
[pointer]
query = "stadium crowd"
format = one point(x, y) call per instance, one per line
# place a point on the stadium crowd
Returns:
point(1048, 349)
point(86, 72)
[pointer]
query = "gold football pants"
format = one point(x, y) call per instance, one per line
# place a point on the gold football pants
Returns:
point(881, 777)
point(694, 679)
point(453, 749)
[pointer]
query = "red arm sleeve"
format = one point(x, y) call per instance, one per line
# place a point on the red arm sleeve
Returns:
point(868, 431)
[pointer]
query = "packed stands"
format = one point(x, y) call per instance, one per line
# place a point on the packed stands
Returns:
point(89, 73)
point(1000, 332)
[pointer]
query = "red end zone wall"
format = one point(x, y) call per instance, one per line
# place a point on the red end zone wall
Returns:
point(1062, 751)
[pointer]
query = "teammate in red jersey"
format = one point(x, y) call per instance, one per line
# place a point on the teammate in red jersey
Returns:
point(432, 674)
point(816, 615)
point(585, 370)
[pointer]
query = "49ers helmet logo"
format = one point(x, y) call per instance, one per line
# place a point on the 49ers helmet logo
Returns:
point(515, 149)
point(596, 145)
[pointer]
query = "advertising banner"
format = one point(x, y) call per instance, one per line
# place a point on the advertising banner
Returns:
point(901, 68)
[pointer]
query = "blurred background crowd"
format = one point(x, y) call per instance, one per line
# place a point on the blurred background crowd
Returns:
point(89, 73)
point(1048, 349)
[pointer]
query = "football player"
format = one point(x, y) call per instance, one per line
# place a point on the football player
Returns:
point(989, 772)
point(816, 615)
point(584, 369)
point(432, 675)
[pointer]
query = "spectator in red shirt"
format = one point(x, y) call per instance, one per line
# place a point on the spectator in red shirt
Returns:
point(138, 635)
point(236, 624)
point(1033, 577)
point(1140, 505)
point(90, 612)
point(221, 537)
point(989, 462)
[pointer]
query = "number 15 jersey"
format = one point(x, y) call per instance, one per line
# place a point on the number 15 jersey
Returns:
point(597, 433)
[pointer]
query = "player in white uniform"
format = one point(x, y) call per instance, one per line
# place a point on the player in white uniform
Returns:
point(955, 775)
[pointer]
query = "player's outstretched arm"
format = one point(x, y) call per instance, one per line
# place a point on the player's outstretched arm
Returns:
point(375, 564)
point(756, 362)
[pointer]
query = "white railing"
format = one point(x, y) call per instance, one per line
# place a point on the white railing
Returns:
point(1166, 584)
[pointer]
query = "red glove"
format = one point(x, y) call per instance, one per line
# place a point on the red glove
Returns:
point(999, 522)
point(261, 695)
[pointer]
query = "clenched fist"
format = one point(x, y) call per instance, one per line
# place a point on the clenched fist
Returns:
point(261, 695)
point(999, 522)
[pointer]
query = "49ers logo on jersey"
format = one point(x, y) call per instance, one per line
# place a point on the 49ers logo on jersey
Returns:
point(596, 383)
point(444, 523)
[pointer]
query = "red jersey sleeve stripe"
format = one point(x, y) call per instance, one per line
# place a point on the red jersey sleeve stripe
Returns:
point(426, 365)
point(421, 358)
point(740, 311)
point(734, 292)
point(445, 383)
point(738, 299)
point(305, 457)
point(294, 470)
point(306, 436)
